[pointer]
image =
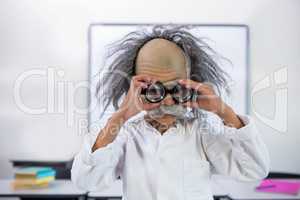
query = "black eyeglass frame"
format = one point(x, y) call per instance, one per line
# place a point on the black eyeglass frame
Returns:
point(193, 94)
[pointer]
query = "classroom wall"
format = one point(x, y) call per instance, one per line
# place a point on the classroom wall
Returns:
point(36, 35)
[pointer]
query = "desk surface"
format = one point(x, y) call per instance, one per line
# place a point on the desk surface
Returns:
point(56, 188)
point(246, 190)
point(220, 187)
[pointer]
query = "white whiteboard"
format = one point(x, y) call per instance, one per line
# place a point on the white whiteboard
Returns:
point(230, 41)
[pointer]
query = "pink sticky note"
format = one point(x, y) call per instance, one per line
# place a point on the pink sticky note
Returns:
point(279, 186)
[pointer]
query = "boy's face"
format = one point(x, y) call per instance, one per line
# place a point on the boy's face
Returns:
point(165, 61)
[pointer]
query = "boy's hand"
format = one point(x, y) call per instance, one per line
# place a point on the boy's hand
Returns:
point(210, 101)
point(133, 102)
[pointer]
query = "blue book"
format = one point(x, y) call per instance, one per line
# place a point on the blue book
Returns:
point(35, 172)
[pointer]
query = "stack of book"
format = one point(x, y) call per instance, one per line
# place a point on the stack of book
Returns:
point(33, 177)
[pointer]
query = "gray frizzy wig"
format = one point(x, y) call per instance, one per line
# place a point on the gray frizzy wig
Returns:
point(115, 80)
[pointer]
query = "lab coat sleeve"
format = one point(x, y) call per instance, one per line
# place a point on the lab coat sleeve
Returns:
point(239, 153)
point(97, 170)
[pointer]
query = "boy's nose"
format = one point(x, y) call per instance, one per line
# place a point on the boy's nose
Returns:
point(168, 101)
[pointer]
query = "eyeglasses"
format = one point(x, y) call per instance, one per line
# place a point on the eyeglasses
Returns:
point(156, 92)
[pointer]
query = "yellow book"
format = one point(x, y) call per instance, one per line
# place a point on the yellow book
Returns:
point(31, 181)
point(17, 186)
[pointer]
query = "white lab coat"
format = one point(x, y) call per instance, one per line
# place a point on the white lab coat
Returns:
point(174, 166)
